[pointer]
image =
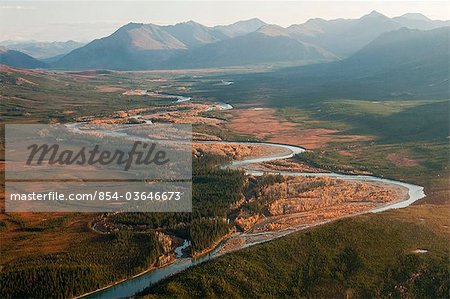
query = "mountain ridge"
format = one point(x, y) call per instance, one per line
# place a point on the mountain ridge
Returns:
point(139, 46)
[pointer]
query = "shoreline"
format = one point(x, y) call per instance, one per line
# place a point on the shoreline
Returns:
point(151, 268)
point(414, 193)
point(214, 252)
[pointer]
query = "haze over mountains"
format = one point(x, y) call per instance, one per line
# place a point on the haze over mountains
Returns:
point(193, 45)
point(148, 46)
point(18, 59)
point(344, 37)
point(406, 63)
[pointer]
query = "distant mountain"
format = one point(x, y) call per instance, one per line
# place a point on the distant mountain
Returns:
point(240, 28)
point(273, 30)
point(18, 59)
point(405, 63)
point(266, 45)
point(133, 46)
point(344, 37)
point(193, 45)
point(148, 46)
point(52, 59)
point(341, 36)
point(419, 21)
point(193, 34)
point(418, 52)
point(43, 50)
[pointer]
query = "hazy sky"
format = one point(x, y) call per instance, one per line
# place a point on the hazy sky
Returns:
point(86, 20)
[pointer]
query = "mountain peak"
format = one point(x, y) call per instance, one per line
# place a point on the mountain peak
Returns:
point(316, 21)
point(18, 59)
point(190, 23)
point(273, 30)
point(129, 26)
point(373, 14)
point(415, 16)
point(253, 21)
point(133, 25)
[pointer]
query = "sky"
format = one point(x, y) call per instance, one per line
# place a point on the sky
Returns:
point(87, 20)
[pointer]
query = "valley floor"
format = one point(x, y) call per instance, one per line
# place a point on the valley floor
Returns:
point(372, 244)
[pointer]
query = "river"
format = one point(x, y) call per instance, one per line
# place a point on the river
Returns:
point(136, 284)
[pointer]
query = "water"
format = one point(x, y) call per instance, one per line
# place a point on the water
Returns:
point(136, 284)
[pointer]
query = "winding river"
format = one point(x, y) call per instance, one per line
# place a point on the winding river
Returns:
point(136, 284)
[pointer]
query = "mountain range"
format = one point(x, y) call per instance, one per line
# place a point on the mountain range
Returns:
point(138, 46)
point(405, 63)
point(43, 50)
